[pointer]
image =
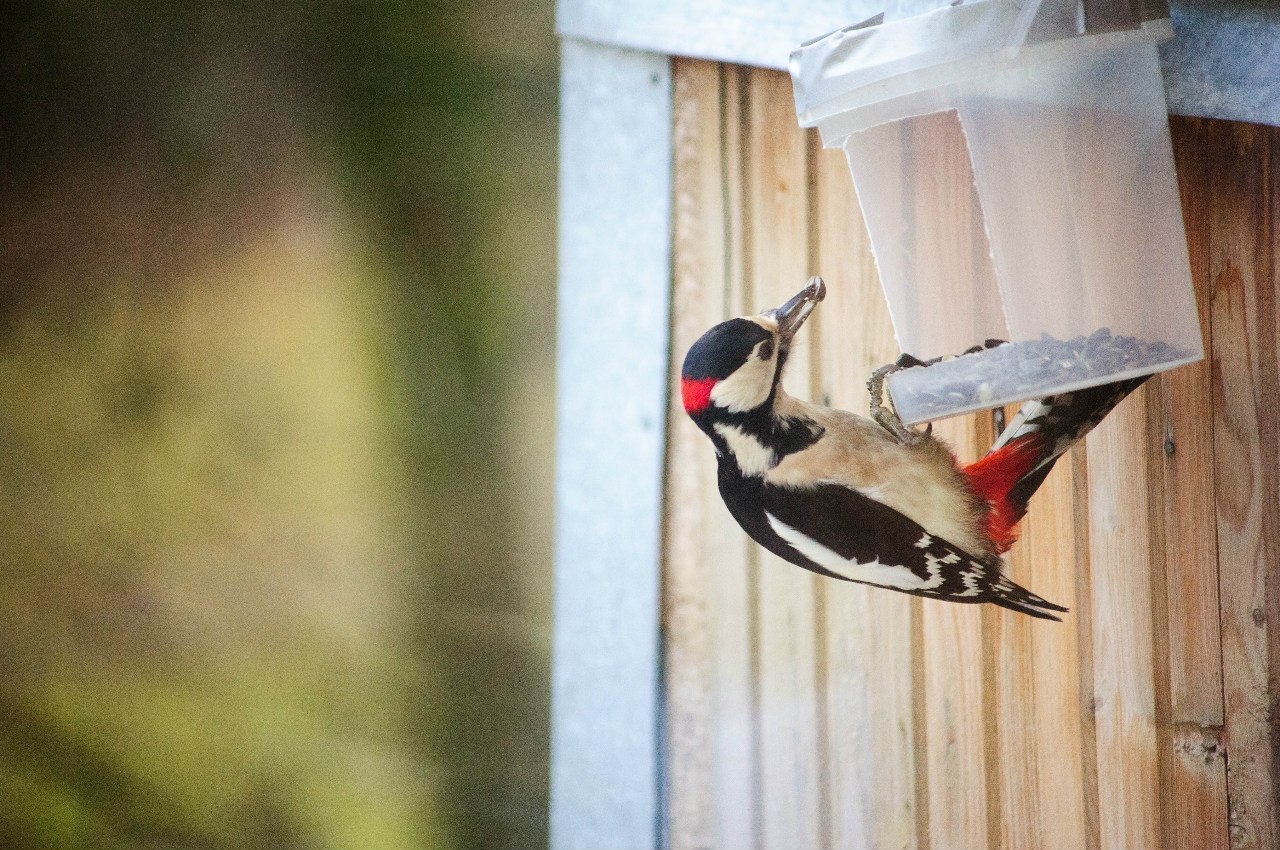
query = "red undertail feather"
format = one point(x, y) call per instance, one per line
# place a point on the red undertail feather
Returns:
point(994, 476)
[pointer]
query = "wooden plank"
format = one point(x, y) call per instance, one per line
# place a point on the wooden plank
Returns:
point(1037, 680)
point(1195, 810)
point(869, 640)
point(949, 241)
point(1159, 606)
point(1088, 718)
point(1042, 753)
point(1245, 455)
point(1084, 618)
point(1268, 277)
point(736, 763)
point(691, 500)
point(954, 648)
point(789, 711)
point(1123, 640)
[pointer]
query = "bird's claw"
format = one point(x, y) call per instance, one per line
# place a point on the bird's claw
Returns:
point(885, 416)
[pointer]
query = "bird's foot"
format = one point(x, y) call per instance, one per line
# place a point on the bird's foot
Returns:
point(885, 416)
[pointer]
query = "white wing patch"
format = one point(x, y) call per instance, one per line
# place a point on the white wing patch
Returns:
point(970, 581)
point(753, 456)
point(873, 572)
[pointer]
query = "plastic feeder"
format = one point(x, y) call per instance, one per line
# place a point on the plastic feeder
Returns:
point(1016, 178)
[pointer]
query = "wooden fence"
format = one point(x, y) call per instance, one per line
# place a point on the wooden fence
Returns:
point(807, 713)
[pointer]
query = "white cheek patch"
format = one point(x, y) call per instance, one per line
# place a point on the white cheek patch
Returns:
point(753, 456)
point(747, 388)
point(872, 572)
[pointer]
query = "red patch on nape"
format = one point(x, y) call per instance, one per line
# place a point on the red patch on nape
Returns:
point(696, 394)
point(993, 477)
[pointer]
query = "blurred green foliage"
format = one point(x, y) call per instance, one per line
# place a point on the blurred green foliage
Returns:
point(275, 354)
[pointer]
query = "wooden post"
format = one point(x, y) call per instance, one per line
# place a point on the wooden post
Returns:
point(1194, 811)
point(1242, 271)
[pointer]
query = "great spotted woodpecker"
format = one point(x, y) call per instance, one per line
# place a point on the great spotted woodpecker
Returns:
point(878, 504)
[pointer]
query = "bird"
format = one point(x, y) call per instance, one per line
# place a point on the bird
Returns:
point(869, 500)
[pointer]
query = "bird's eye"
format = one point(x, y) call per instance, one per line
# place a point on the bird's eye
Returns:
point(766, 349)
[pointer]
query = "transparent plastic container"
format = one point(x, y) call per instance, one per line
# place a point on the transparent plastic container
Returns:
point(1017, 182)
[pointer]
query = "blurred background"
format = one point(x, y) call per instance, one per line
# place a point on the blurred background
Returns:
point(276, 338)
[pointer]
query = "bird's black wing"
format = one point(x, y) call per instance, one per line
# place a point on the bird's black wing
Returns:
point(839, 531)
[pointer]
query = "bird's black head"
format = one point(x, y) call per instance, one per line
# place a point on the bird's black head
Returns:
point(735, 366)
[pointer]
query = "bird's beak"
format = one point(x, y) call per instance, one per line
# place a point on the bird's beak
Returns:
point(791, 315)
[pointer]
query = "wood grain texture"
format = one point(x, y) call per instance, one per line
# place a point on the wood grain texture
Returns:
point(1159, 606)
point(1245, 455)
point(1123, 640)
point(1187, 446)
point(710, 714)
point(1041, 743)
point(1084, 618)
point(1195, 803)
point(811, 713)
point(869, 642)
point(954, 672)
point(790, 766)
point(735, 628)
point(735, 592)
point(956, 656)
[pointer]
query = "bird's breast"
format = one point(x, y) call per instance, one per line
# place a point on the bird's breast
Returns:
point(921, 483)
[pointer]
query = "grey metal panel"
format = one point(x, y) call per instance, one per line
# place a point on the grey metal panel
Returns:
point(1224, 60)
point(750, 32)
point(615, 274)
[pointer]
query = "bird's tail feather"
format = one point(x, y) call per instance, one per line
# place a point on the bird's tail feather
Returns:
point(1022, 457)
point(1057, 423)
point(1006, 594)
